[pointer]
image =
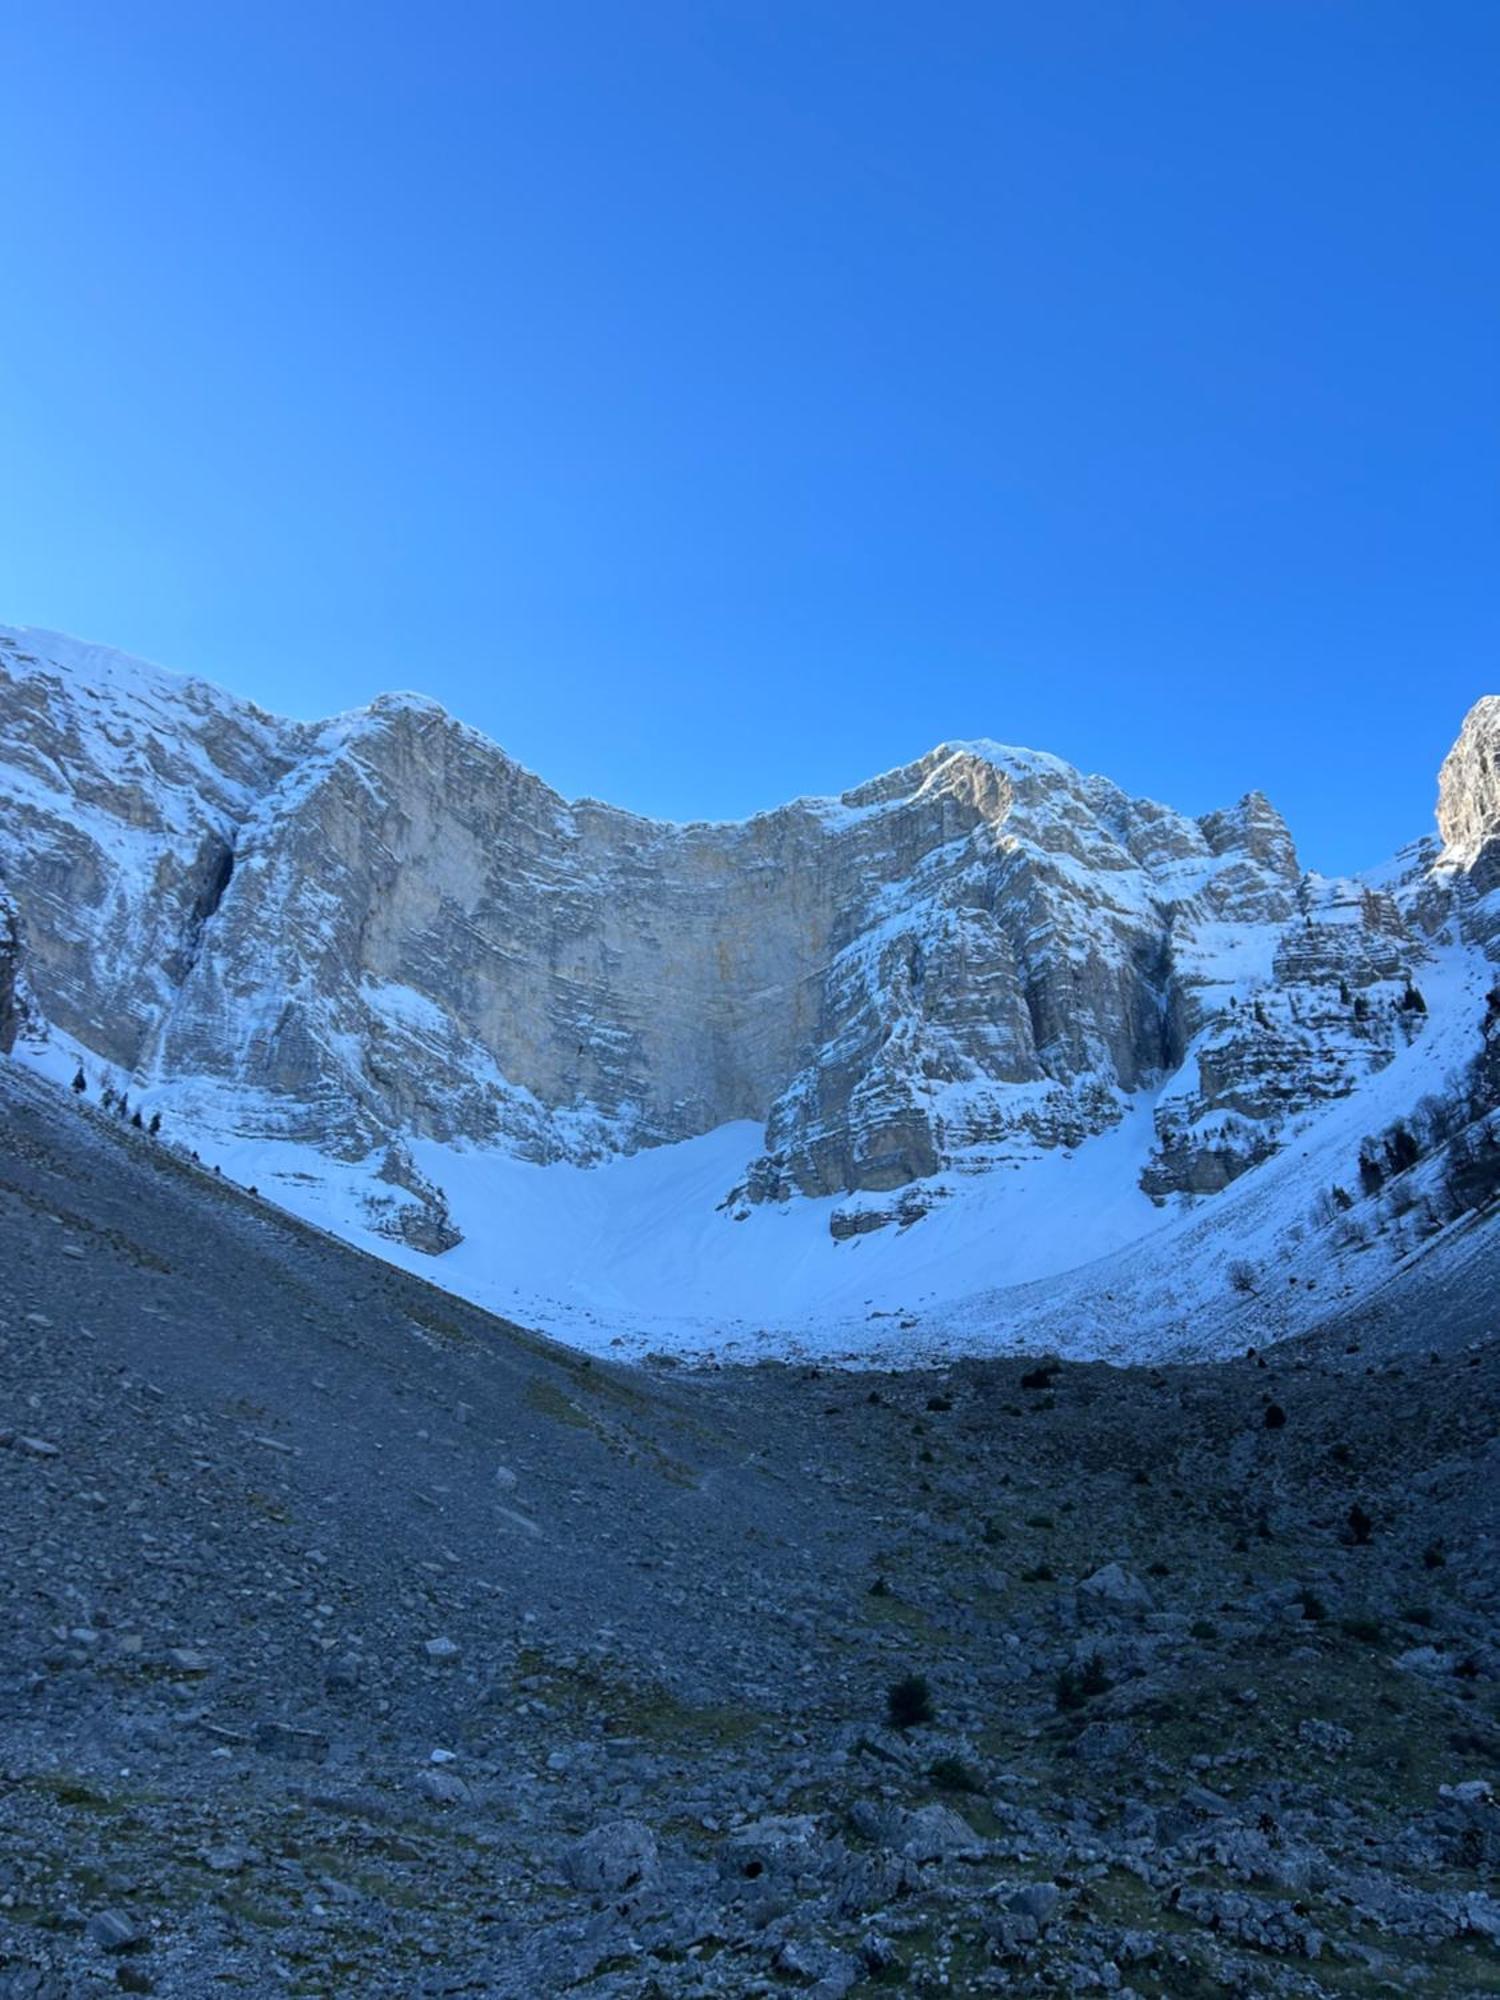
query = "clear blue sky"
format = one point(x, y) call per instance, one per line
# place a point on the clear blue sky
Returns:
point(720, 401)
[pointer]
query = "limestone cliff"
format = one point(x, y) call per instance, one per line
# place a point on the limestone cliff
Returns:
point(381, 929)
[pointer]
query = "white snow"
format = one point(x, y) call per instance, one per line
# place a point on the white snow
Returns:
point(1021, 1245)
point(1052, 1249)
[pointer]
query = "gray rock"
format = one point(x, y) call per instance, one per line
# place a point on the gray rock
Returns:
point(1037, 1900)
point(615, 1857)
point(936, 1833)
point(112, 1932)
point(1114, 1588)
point(442, 1787)
point(283, 1739)
point(1328, 1739)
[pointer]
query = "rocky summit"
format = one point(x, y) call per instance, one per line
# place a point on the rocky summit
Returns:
point(1017, 1504)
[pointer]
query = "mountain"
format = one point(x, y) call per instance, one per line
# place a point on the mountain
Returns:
point(982, 1047)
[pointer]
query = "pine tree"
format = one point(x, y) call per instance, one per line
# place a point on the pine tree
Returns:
point(80, 1081)
point(155, 1125)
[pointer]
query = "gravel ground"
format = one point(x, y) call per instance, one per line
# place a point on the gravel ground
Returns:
point(357, 1642)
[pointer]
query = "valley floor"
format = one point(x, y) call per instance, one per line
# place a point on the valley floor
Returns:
point(359, 1642)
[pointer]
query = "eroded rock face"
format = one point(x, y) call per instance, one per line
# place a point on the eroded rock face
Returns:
point(382, 929)
point(1468, 812)
point(123, 788)
point(1468, 809)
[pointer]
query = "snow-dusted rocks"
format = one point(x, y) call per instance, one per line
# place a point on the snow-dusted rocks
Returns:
point(382, 926)
point(375, 966)
point(123, 790)
point(1468, 809)
point(1469, 813)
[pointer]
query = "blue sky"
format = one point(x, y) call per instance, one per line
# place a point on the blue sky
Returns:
point(716, 402)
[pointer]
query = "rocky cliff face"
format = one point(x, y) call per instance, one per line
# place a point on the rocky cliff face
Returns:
point(382, 928)
point(1469, 814)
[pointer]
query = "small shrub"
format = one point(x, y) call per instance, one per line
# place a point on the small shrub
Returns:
point(908, 1702)
point(1039, 1573)
point(80, 1082)
point(952, 1774)
point(1204, 1629)
point(1313, 1607)
point(1274, 1417)
point(1072, 1689)
point(1434, 1556)
point(1369, 1631)
point(940, 1402)
point(1039, 1378)
point(1359, 1527)
point(1418, 1614)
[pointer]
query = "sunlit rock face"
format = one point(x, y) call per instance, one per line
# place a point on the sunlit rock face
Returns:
point(1469, 815)
point(379, 929)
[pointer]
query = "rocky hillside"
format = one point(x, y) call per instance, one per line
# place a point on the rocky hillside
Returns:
point(358, 1642)
point(379, 936)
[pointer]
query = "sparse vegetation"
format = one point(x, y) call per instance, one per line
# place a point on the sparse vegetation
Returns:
point(909, 1703)
point(1359, 1526)
point(952, 1774)
point(1074, 1687)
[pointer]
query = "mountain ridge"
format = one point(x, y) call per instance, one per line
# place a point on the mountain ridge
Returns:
point(377, 939)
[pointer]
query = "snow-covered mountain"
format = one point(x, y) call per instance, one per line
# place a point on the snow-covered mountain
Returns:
point(972, 1025)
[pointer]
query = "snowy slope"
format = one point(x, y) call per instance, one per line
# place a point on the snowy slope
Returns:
point(982, 1052)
